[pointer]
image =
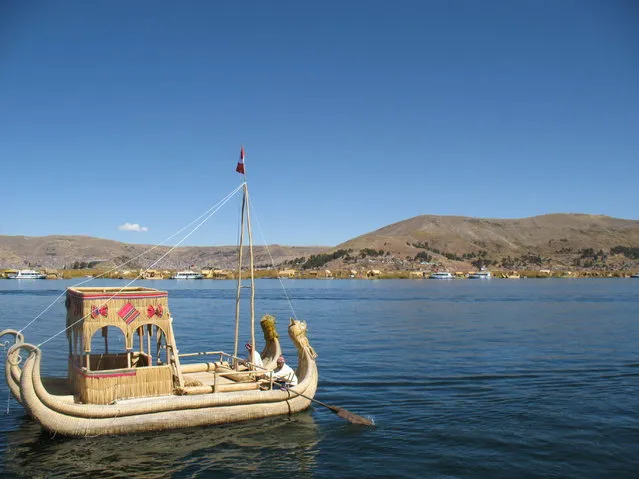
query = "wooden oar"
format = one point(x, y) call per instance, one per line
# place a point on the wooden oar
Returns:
point(341, 412)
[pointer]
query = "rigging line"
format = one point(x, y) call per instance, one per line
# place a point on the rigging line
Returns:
point(218, 205)
point(153, 264)
point(268, 250)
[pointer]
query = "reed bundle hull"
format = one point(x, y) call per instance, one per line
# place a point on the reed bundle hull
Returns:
point(143, 386)
point(189, 406)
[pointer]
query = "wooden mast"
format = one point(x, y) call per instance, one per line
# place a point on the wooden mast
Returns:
point(239, 284)
point(250, 235)
point(245, 212)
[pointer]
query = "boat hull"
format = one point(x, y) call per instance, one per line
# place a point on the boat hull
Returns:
point(37, 276)
point(58, 414)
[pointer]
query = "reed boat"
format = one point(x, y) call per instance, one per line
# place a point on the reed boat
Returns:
point(139, 390)
point(138, 380)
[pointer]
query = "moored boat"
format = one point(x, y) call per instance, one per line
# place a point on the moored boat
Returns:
point(27, 274)
point(480, 275)
point(187, 275)
point(441, 275)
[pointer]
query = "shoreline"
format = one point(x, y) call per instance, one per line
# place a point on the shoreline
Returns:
point(327, 275)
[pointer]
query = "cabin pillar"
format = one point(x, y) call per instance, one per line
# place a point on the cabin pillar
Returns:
point(149, 330)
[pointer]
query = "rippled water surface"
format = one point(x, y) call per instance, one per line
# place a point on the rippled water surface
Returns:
point(498, 378)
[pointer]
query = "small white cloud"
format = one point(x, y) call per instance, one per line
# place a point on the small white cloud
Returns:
point(132, 227)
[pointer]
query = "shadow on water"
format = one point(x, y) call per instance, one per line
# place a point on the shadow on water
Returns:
point(286, 444)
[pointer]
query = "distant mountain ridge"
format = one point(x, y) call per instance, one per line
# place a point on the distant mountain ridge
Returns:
point(561, 240)
point(58, 251)
point(558, 238)
point(460, 234)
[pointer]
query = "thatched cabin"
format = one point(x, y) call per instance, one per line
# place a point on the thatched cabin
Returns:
point(123, 318)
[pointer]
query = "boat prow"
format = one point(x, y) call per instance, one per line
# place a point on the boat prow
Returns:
point(12, 371)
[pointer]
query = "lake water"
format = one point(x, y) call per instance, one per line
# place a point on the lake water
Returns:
point(469, 379)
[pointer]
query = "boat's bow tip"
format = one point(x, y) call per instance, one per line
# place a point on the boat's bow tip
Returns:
point(19, 338)
point(30, 348)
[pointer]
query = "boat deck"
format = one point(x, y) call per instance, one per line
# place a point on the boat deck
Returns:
point(207, 378)
point(236, 382)
point(57, 386)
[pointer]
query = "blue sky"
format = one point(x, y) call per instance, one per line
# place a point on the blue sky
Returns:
point(354, 115)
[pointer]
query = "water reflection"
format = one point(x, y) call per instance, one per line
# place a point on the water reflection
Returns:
point(283, 444)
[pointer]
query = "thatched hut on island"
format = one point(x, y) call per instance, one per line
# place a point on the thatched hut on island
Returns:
point(6, 273)
point(52, 273)
point(151, 274)
point(222, 274)
point(287, 273)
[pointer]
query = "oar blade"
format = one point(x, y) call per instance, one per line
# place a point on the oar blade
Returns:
point(351, 417)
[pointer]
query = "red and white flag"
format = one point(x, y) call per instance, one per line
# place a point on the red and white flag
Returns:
point(240, 164)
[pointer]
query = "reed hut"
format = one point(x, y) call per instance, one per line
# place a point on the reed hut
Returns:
point(287, 273)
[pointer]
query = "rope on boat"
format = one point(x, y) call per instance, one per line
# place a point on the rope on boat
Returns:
point(206, 215)
point(268, 250)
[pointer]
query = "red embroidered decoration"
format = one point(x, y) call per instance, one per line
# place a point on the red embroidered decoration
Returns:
point(150, 311)
point(128, 313)
point(102, 310)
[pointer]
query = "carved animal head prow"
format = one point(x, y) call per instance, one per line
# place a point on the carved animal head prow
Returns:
point(297, 330)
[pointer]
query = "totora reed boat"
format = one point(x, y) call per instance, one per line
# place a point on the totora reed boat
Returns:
point(137, 382)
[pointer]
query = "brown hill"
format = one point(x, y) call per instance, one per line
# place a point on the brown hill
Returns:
point(455, 241)
point(61, 251)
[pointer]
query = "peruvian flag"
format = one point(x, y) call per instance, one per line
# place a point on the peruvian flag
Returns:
point(240, 164)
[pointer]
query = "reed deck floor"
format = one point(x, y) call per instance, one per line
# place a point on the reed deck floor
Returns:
point(208, 378)
point(57, 386)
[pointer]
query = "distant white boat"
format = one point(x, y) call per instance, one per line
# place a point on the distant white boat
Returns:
point(27, 274)
point(480, 275)
point(187, 275)
point(636, 275)
point(441, 275)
